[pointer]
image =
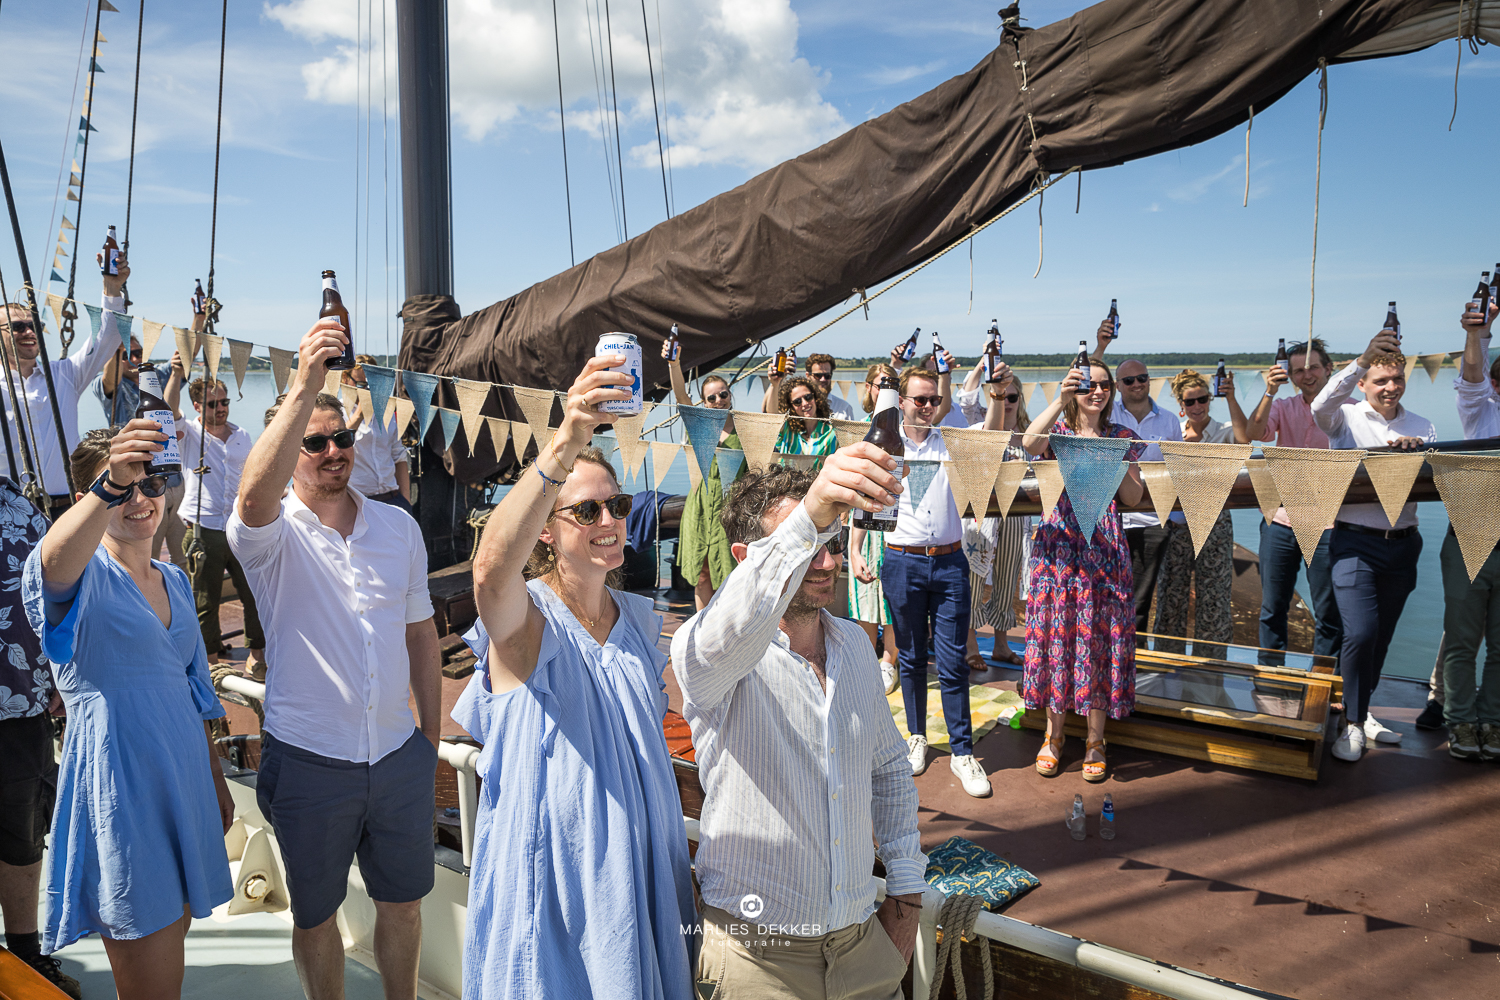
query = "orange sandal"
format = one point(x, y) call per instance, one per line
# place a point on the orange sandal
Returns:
point(1048, 767)
point(1093, 770)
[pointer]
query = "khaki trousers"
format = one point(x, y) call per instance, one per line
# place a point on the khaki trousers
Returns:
point(736, 962)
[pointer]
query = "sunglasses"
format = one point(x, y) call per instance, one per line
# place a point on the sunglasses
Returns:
point(22, 326)
point(1100, 387)
point(224, 403)
point(824, 377)
point(714, 397)
point(153, 486)
point(925, 400)
point(835, 545)
point(1011, 397)
point(314, 444)
point(586, 512)
point(799, 400)
point(1133, 379)
point(1197, 401)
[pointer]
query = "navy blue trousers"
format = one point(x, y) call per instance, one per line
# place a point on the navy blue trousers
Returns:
point(1280, 558)
point(1371, 580)
point(920, 589)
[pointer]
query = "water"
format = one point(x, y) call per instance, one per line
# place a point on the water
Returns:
point(1075, 819)
point(1107, 818)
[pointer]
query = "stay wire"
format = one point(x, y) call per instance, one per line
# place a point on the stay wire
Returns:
point(135, 103)
point(65, 335)
point(369, 135)
point(358, 36)
point(562, 124)
point(609, 34)
point(609, 177)
point(11, 364)
point(385, 183)
point(666, 122)
point(58, 187)
point(1312, 297)
point(661, 152)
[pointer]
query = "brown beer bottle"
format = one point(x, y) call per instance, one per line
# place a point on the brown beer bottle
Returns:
point(154, 407)
point(199, 300)
point(780, 367)
point(333, 306)
point(1282, 361)
point(1220, 377)
point(885, 434)
point(1085, 367)
point(674, 344)
point(1482, 295)
point(109, 263)
point(1391, 322)
point(993, 352)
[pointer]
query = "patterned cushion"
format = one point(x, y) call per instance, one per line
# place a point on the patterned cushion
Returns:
point(962, 866)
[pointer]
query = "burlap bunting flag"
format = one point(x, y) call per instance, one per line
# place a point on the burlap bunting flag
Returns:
point(1411, 364)
point(499, 434)
point(1049, 389)
point(1159, 485)
point(404, 410)
point(150, 335)
point(758, 433)
point(57, 303)
point(1203, 475)
point(281, 361)
point(239, 360)
point(333, 381)
point(213, 350)
point(975, 458)
point(471, 397)
point(1049, 483)
point(349, 396)
point(663, 454)
point(1433, 363)
point(187, 350)
point(520, 435)
point(628, 440)
point(1468, 485)
point(694, 468)
point(1265, 487)
point(844, 387)
point(1007, 482)
point(849, 431)
point(1311, 483)
point(536, 404)
point(366, 405)
point(1392, 475)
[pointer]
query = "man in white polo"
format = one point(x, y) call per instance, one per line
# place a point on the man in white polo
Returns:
point(342, 587)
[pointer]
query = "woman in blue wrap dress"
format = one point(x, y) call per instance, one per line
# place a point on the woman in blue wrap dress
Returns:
point(142, 807)
point(581, 887)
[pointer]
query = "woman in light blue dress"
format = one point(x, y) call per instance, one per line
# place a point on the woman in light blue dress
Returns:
point(138, 835)
point(581, 887)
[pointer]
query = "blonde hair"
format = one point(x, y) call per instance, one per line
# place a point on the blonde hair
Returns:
point(1185, 380)
point(543, 558)
point(866, 397)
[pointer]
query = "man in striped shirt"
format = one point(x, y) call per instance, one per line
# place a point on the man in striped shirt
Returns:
point(804, 772)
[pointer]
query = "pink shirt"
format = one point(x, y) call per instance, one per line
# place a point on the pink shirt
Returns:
point(1291, 424)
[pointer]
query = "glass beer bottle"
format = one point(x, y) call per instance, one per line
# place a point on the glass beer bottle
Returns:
point(1084, 365)
point(1114, 319)
point(885, 434)
point(109, 261)
point(1220, 377)
point(1391, 322)
point(1282, 361)
point(910, 350)
point(994, 352)
point(153, 406)
point(333, 305)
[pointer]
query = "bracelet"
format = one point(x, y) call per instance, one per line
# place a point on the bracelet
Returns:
point(1270, 394)
point(546, 479)
point(553, 452)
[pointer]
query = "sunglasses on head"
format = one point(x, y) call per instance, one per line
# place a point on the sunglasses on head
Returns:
point(714, 397)
point(153, 486)
point(1196, 401)
point(586, 512)
point(1133, 379)
point(925, 400)
point(314, 444)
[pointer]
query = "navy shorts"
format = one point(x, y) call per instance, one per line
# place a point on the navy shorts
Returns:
point(28, 788)
point(326, 811)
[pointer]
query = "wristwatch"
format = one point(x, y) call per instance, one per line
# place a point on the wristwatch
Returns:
point(110, 499)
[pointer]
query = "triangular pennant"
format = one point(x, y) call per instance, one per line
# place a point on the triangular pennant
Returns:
point(404, 410)
point(71, 197)
point(694, 467)
point(1007, 482)
point(1411, 364)
point(919, 476)
point(56, 276)
point(758, 433)
point(701, 425)
point(382, 382)
point(213, 350)
point(366, 405)
point(1392, 475)
point(281, 361)
point(349, 396)
point(1468, 485)
point(1159, 484)
point(1028, 392)
point(187, 350)
point(106, 5)
point(66, 224)
point(83, 124)
point(96, 316)
point(62, 240)
point(94, 66)
point(520, 434)
point(1250, 383)
point(150, 335)
point(605, 444)
point(1091, 471)
point(99, 37)
point(419, 388)
point(56, 261)
point(1433, 363)
point(239, 360)
point(731, 461)
point(333, 378)
point(74, 181)
point(123, 324)
point(1265, 487)
point(849, 431)
point(1312, 483)
point(663, 454)
point(1203, 475)
point(499, 434)
point(1049, 485)
point(449, 419)
point(471, 397)
point(844, 386)
point(975, 458)
point(536, 404)
point(57, 304)
point(628, 438)
point(1049, 389)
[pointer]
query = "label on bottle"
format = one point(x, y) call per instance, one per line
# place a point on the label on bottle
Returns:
point(942, 361)
point(111, 262)
point(1108, 815)
point(169, 454)
point(889, 513)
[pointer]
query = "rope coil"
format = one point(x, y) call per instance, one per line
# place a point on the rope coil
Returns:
point(957, 919)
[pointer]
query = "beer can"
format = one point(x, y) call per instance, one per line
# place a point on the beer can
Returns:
point(627, 346)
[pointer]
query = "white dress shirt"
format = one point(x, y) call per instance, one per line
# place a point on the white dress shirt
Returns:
point(320, 596)
point(935, 521)
point(377, 452)
point(226, 463)
point(791, 771)
point(1357, 425)
point(840, 407)
point(1159, 425)
point(70, 377)
point(1478, 406)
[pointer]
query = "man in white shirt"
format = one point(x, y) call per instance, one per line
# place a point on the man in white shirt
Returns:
point(381, 464)
point(1374, 562)
point(344, 770)
point(798, 753)
point(70, 378)
point(925, 579)
point(820, 370)
point(1473, 718)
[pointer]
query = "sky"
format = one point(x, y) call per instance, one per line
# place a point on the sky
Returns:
point(1406, 211)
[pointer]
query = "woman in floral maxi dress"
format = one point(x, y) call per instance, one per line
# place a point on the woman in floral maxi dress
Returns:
point(1080, 613)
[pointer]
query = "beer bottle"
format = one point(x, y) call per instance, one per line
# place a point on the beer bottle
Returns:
point(674, 345)
point(994, 351)
point(910, 350)
point(1220, 390)
point(939, 362)
point(780, 367)
point(109, 262)
point(199, 300)
point(154, 407)
point(1282, 361)
point(791, 360)
point(885, 434)
point(1114, 319)
point(1083, 364)
point(1482, 295)
point(1391, 322)
point(333, 306)
point(1495, 283)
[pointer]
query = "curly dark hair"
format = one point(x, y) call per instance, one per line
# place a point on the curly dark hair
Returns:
point(784, 399)
point(756, 492)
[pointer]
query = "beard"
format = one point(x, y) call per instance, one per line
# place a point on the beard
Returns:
point(804, 605)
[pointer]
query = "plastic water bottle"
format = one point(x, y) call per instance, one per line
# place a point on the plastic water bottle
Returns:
point(1107, 819)
point(1075, 819)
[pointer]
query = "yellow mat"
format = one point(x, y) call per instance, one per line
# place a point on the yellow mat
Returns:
point(985, 706)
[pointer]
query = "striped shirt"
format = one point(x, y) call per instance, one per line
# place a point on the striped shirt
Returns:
point(790, 772)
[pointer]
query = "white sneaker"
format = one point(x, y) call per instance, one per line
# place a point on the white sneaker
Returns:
point(916, 753)
point(1350, 745)
point(971, 773)
point(1375, 730)
point(889, 675)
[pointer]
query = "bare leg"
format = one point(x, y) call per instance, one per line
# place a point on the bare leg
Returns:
point(872, 631)
point(149, 968)
point(319, 954)
point(398, 947)
point(703, 591)
point(1096, 734)
point(19, 890)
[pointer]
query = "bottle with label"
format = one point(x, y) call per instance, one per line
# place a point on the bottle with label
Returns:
point(994, 353)
point(910, 350)
point(333, 305)
point(199, 300)
point(1114, 319)
point(109, 261)
point(791, 360)
point(1391, 322)
point(1495, 283)
point(153, 406)
point(1482, 295)
point(674, 345)
point(885, 434)
point(778, 368)
point(1220, 389)
point(1075, 818)
point(1282, 361)
point(1084, 365)
point(1107, 818)
point(939, 358)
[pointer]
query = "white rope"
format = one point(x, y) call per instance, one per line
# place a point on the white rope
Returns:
point(1248, 125)
point(1317, 193)
point(1040, 247)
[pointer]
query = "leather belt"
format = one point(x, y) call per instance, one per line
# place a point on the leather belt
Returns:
point(925, 550)
point(1388, 534)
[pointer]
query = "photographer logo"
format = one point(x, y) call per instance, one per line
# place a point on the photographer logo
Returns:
point(752, 906)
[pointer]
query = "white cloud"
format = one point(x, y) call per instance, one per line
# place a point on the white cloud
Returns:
point(733, 89)
point(889, 75)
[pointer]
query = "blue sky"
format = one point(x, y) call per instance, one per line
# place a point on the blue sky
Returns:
point(747, 83)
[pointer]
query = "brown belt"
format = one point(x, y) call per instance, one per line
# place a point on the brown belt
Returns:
point(925, 550)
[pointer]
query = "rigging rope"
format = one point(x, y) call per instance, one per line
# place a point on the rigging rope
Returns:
point(661, 153)
point(385, 183)
point(957, 918)
point(1317, 193)
point(135, 103)
point(609, 33)
point(1249, 124)
point(666, 122)
point(65, 334)
point(58, 186)
point(562, 124)
point(12, 364)
point(594, 60)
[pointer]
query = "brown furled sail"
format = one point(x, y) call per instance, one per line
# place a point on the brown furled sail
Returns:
point(1120, 80)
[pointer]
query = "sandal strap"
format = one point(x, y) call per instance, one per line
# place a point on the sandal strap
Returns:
point(1094, 743)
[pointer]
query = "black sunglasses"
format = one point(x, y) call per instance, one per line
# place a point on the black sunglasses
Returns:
point(153, 486)
point(1133, 379)
point(835, 545)
point(586, 512)
point(824, 377)
point(1196, 400)
point(714, 397)
point(799, 400)
point(22, 326)
point(225, 403)
point(925, 400)
point(314, 444)
point(1011, 397)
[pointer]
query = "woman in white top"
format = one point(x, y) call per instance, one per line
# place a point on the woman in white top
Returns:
point(1211, 573)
